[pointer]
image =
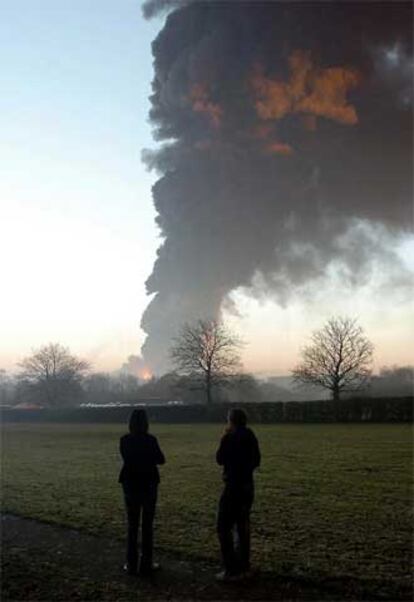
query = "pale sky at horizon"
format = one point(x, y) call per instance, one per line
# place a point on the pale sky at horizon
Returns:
point(77, 231)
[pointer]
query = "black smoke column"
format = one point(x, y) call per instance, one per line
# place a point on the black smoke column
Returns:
point(284, 126)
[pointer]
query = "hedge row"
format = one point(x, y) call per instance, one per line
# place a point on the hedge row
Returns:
point(350, 410)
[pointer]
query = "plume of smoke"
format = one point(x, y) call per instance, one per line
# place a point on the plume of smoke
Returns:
point(136, 366)
point(281, 130)
point(151, 8)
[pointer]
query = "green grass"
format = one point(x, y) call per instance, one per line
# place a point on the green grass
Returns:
point(331, 500)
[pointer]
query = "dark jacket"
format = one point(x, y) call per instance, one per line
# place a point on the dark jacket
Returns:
point(239, 455)
point(141, 454)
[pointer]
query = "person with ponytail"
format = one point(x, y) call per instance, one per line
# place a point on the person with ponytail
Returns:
point(239, 455)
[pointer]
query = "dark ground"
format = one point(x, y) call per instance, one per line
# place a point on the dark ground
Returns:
point(43, 562)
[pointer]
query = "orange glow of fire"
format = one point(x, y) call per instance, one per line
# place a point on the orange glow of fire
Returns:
point(145, 374)
point(279, 148)
point(201, 103)
point(310, 90)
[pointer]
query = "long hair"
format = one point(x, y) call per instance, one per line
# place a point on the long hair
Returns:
point(138, 422)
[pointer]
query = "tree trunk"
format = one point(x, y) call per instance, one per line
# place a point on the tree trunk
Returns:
point(208, 388)
point(335, 393)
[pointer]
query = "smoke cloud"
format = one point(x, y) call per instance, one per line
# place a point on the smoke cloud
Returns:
point(283, 125)
point(135, 366)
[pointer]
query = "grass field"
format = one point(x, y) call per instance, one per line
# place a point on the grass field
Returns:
point(331, 500)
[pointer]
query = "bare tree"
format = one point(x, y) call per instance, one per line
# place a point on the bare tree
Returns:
point(339, 358)
point(52, 375)
point(7, 388)
point(210, 351)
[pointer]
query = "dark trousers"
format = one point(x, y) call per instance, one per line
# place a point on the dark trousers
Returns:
point(140, 503)
point(234, 512)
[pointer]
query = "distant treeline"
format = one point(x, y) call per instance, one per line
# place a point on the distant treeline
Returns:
point(349, 410)
point(100, 388)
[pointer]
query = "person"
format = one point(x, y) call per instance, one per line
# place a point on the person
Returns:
point(139, 477)
point(239, 454)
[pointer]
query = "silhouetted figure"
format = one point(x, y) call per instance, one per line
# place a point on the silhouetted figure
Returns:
point(239, 455)
point(140, 478)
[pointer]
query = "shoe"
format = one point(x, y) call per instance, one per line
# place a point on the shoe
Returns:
point(226, 577)
point(130, 571)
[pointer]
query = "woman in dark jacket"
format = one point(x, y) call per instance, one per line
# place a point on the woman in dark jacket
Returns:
point(239, 454)
point(139, 478)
